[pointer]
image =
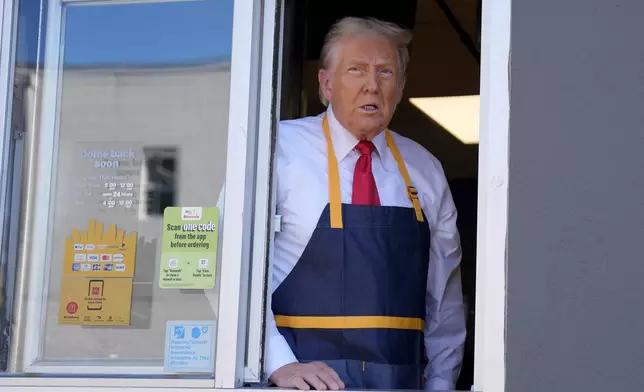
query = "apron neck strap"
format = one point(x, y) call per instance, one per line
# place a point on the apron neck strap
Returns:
point(335, 199)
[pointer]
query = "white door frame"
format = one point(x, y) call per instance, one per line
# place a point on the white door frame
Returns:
point(489, 351)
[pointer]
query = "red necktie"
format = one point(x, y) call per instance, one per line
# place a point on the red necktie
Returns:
point(364, 185)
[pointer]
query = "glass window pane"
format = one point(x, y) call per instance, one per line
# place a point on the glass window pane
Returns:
point(26, 46)
point(142, 119)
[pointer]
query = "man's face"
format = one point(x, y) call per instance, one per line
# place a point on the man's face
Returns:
point(362, 84)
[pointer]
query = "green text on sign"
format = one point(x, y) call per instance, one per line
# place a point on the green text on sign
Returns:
point(189, 251)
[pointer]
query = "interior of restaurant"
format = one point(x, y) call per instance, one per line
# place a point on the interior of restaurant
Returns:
point(440, 105)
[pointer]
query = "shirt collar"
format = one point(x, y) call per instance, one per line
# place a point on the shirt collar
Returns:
point(344, 142)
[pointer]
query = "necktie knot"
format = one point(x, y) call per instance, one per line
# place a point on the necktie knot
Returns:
point(365, 147)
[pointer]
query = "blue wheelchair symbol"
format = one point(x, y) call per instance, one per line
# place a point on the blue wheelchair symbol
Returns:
point(179, 332)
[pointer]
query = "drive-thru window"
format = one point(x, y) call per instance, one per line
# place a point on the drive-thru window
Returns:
point(125, 260)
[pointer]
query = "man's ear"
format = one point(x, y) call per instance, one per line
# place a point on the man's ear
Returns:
point(324, 79)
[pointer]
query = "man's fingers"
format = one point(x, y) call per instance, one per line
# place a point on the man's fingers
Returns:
point(328, 379)
point(315, 375)
point(321, 365)
point(299, 383)
point(337, 379)
point(314, 381)
point(326, 368)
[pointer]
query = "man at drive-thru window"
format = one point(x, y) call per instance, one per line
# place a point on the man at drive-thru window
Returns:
point(366, 279)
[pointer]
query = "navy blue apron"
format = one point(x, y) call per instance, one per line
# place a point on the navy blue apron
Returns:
point(356, 297)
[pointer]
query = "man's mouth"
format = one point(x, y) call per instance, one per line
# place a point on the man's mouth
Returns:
point(371, 108)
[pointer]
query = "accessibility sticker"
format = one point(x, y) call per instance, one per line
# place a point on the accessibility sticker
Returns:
point(190, 347)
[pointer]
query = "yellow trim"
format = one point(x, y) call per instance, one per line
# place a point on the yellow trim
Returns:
point(335, 198)
point(412, 193)
point(349, 322)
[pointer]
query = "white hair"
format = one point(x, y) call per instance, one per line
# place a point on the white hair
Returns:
point(354, 26)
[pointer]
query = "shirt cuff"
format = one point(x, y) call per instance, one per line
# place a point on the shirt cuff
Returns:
point(437, 384)
point(278, 354)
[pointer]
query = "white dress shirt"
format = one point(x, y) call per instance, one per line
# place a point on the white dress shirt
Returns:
point(302, 194)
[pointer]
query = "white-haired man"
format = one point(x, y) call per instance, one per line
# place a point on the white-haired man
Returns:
point(366, 283)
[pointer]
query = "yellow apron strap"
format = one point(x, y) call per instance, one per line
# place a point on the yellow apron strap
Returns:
point(412, 193)
point(335, 198)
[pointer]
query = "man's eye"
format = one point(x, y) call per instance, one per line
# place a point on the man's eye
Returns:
point(354, 69)
point(387, 71)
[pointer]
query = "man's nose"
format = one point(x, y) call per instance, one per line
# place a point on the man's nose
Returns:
point(371, 82)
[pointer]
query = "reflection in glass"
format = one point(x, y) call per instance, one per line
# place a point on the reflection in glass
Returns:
point(27, 47)
point(142, 122)
point(160, 179)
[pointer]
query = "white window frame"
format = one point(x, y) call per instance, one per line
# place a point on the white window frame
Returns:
point(7, 59)
point(265, 225)
point(489, 363)
point(7, 17)
point(239, 199)
point(8, 175)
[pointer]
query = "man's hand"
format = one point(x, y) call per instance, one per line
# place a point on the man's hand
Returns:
point(303, 376)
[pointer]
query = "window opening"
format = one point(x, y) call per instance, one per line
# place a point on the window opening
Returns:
point(439, 109)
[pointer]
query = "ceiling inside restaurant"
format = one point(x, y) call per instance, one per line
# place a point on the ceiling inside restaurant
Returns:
point(406, 13)
point(322, 14)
